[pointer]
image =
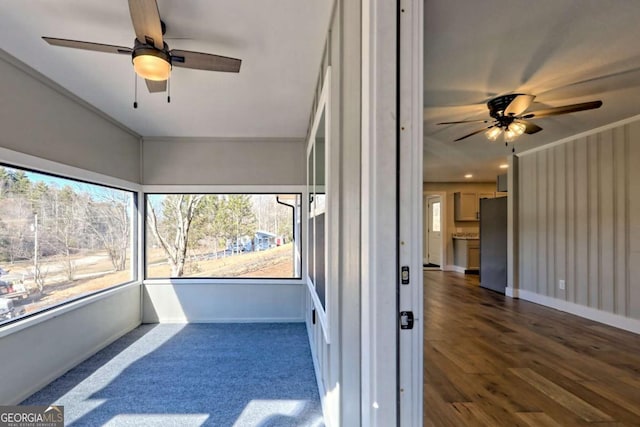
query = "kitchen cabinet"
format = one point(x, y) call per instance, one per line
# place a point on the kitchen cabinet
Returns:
point(467, 205)
point(466, 254)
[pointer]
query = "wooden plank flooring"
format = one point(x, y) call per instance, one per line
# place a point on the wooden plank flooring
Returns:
point(496, 361)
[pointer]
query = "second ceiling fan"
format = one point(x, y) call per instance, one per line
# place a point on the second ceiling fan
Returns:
point(508, 116)
point(152, 59)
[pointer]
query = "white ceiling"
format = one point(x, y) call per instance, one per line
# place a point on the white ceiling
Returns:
point(280, 43)
point(562, 51)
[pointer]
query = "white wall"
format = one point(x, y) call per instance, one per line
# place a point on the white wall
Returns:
point(232, 302)
point(580, 221)
point(214, 161)
point(39, 118)
point(224, 165)
point(46, 128)
point(36, 351)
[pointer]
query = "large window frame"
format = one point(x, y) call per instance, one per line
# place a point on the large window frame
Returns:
point(319, 209)
point(31, 164)
point(227, 189)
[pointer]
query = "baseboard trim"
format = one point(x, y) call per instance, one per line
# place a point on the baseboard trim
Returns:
point(615, 320)
point(455, 268)
point(512, 292)
point(228, 320)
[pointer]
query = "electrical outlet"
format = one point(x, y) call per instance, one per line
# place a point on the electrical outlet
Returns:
point(561, 284)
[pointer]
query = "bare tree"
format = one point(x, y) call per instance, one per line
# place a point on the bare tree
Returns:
point(172, 233)
point(109, 221)
point(15, 232)
point(39, 275)
point(68, 226)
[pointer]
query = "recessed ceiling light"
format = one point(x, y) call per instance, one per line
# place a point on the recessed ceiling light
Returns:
point(468, 175)
point(505, 166)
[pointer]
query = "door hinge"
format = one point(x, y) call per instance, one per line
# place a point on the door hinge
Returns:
point(406, 320)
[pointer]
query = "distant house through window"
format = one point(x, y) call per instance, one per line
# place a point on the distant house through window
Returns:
point(223, 236)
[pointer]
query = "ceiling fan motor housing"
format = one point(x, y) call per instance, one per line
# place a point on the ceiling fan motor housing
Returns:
point(499, 104)
point(145, 49)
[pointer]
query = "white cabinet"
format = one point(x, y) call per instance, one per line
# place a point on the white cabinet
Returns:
point(467, 205)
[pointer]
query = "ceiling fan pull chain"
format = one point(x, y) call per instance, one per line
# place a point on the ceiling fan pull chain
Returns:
point(135, 90)
point(168, 90)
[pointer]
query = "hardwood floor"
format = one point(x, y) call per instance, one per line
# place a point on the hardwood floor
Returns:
point(495, 361)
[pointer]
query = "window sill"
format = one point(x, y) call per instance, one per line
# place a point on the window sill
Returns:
point(63, 308)
point(221, 281)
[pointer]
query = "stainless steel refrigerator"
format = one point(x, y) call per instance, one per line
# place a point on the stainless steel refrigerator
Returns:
point(493, 244)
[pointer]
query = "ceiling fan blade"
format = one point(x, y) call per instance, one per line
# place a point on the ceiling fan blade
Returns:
point(519, 105)
point(204, 61)
point(531, 127)
point(473, 133)
point(146, 22)
point(563, 110)
point(156, 86)
point(97, 47)
point(463, 121)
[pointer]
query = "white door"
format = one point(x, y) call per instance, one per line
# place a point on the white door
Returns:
point(434, 234)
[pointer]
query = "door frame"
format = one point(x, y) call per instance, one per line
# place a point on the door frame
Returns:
point(391, 228)
point(410, 208)
point(443, 226)
point(431, 198)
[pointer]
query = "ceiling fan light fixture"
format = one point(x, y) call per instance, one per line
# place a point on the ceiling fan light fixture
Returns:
point(514, 130)
point(518, 128)
point(151, 64)
point(493, 133)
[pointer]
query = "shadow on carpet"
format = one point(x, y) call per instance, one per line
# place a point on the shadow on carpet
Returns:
point(193, 375)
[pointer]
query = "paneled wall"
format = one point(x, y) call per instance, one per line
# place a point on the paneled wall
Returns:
point(338, 363)
point(580, 221)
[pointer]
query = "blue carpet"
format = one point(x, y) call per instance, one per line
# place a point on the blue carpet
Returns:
point(193, 375)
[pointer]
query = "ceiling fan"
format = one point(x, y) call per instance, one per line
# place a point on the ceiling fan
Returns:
point(151, 57)
point(508, 114)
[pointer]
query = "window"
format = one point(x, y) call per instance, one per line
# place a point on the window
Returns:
point(317, 208)
point(60, 239)
point(223, 235)
point(435, 219)
point(319, 225)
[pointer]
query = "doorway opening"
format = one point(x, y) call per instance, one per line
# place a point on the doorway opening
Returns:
point(434, 230)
